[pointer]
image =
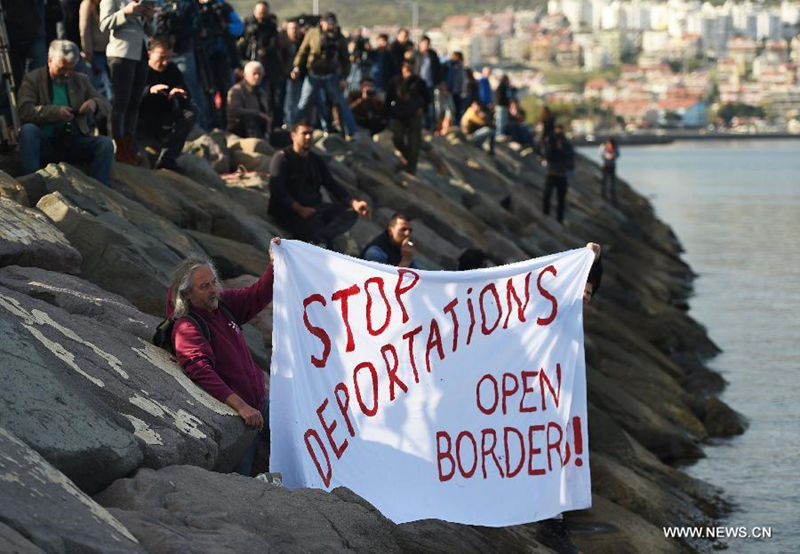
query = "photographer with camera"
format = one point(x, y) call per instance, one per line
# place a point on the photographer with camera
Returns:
point(180, 22)
point(56, 107)
point(221, 26)
point(167, 114)
point(324, 54)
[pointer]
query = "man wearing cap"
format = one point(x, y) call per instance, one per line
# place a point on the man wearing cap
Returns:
point(323, 53)
point(56, 109)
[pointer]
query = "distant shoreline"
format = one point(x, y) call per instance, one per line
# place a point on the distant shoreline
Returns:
point(667, 138)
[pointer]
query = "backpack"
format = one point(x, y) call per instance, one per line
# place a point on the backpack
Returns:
point(163, 335)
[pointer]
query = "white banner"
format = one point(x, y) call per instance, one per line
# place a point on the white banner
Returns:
point(432, 394)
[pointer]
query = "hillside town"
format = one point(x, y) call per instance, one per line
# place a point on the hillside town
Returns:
point(641, 64)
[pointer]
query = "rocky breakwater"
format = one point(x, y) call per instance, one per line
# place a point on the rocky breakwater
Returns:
point(108, 447)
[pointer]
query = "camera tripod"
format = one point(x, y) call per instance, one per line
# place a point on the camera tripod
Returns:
point(8, 135)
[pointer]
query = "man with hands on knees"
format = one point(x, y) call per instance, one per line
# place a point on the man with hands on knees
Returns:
point(297, 175)
point(217, 359)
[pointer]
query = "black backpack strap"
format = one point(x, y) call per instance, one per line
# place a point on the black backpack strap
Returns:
point(201, 324)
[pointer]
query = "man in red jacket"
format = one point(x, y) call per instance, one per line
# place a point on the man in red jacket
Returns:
point(221, 364)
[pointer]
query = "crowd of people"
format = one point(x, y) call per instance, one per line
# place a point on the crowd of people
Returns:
point(157, 61)
point(123, 73)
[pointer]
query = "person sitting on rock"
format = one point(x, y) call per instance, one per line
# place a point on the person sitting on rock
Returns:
point(475, 124)
point(222, 364)
point(296, 175)
point(249, 105)
point(393, 246)
point(166, 112)
point(57, 106)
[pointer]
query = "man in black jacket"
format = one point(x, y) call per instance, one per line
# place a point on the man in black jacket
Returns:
point(406, 100)
point(429, 68)
point(296, 175)
point(166, 114)
point(393, 246)
point(560, 158)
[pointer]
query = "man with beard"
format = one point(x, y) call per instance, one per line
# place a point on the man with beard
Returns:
point(296, 176)
point(210, 345)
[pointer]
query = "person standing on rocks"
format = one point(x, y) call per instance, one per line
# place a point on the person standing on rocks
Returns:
point(393, 246)
point(56, 108)
point(221, 364)
point(406, 101)
point(296, 176)
point(560, 158)
point(609, 152)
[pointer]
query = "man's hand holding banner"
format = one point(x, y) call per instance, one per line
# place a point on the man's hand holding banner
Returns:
point(452, 395)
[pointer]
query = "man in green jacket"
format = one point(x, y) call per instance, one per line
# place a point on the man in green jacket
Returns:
point(323, 53)
point(56, 107)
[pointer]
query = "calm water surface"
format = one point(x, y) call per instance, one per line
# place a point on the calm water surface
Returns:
point(735, 205)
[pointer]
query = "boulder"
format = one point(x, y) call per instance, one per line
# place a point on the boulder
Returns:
point(190, 205)
point(188, 509)
point(27, 237)
point(250, 161)
point(43, 511)
point(214, 148)
point(199, 170)
point(70, 428)
point(232, 258)
point(126, 248)
point(10, 188)
point(99, 345)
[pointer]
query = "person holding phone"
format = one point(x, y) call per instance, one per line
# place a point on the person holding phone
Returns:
point(127, 59)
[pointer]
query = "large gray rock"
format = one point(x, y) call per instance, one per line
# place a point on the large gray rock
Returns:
point(27, 237)
point(126, 248)
point(190, 205)
point(10, 188)
point(187, 509)
point(43, 511)
point(72, 430)
point(100, 346)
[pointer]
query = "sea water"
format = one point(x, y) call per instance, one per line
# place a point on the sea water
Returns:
point(735, 206)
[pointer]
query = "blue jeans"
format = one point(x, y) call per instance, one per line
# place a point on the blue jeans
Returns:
point(481, 136)
point(187, 63)
point(320, 88)
point(37, 150)
point(291, 101)
point(501, 119)
point(99, 76)
point(245, 466)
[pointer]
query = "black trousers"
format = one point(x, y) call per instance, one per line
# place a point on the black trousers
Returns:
point(560, 184)
point(330, 221)
point(609, 182)
point(169, 131)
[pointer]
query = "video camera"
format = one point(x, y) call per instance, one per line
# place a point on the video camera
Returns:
point(305, 21)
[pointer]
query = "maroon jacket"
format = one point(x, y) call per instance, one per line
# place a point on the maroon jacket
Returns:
point(225, 365)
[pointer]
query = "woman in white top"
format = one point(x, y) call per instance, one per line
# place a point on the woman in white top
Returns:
point(127, 58)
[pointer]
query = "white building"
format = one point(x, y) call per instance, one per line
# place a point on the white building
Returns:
point(768, 26)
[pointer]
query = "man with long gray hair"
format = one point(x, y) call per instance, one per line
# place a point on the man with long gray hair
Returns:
point(217, 359)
